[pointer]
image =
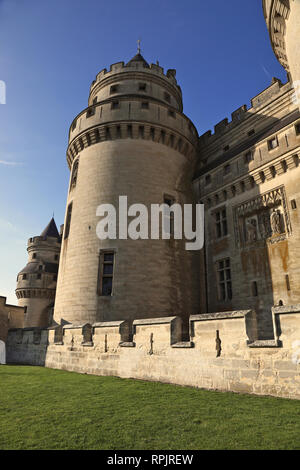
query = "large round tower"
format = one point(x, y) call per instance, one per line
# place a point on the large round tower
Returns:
point(133, 140)
point(36, 283)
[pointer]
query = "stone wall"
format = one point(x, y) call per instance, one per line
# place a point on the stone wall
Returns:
point(223, 352)
point(11, 316)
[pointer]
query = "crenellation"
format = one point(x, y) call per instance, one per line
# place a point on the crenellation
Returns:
point(223, 352)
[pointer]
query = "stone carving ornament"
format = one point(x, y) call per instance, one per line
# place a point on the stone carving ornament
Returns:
point(275, 220)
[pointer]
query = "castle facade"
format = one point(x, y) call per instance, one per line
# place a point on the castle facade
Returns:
point(133, 139)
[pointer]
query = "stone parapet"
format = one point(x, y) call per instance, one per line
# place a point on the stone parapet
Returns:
point(223, 353)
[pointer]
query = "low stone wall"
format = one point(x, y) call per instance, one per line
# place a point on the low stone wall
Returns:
point(223, 352)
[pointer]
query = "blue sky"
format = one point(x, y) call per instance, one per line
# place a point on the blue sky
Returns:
point(51, 50)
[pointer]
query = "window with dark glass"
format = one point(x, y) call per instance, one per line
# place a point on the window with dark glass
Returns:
point(224, 279)
point(106, 272)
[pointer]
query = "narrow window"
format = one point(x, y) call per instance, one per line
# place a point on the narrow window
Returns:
point(171, 113)
point(56, 257)
point(287, 281)
point(226, 148)
point(224, 279)
point(74, 173)
point(293, 204)
point(251, 132)
point(254, 289)
point(106, 271)
point(24, 276)
point(68, 220)
point(142, 87)
point(145, 105)
point(221, 223)
point(34, 256)
point(114, 89)
point(74, 124)
point(297, 128)
point(90, 112)
point(272, 143)
point(39, 276)
point(167, 97)
point(95, 100)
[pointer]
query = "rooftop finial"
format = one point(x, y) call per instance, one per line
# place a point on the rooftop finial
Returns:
point(139, 46)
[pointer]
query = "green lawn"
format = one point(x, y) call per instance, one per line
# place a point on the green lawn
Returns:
point(50, 409)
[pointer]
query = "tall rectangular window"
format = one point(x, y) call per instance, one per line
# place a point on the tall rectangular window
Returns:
point(224, 279)
point(106, 273)
point(68, 220)
point(221, 223)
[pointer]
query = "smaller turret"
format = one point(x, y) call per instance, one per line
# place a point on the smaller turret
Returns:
point(36, 282)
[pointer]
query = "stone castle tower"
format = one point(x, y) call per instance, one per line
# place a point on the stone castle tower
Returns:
point(132, 140)
point(36, 283)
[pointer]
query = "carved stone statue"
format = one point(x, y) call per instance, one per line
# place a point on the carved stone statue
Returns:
point(251, 227)
point(275, 220)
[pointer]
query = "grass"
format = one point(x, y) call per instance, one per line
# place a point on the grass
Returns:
point(51, 409)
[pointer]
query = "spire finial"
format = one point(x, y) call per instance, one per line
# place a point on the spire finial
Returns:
point(139, 46)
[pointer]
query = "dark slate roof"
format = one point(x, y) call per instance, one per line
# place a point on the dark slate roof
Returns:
point(138, 58)
point(275, 127)
point(50, 230)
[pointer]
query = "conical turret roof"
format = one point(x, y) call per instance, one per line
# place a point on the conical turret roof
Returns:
point(50, 230)
point(138, 58)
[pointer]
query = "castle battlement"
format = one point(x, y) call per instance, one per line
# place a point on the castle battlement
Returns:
point(259, 105)
point(121, 67)
point(223, 352)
